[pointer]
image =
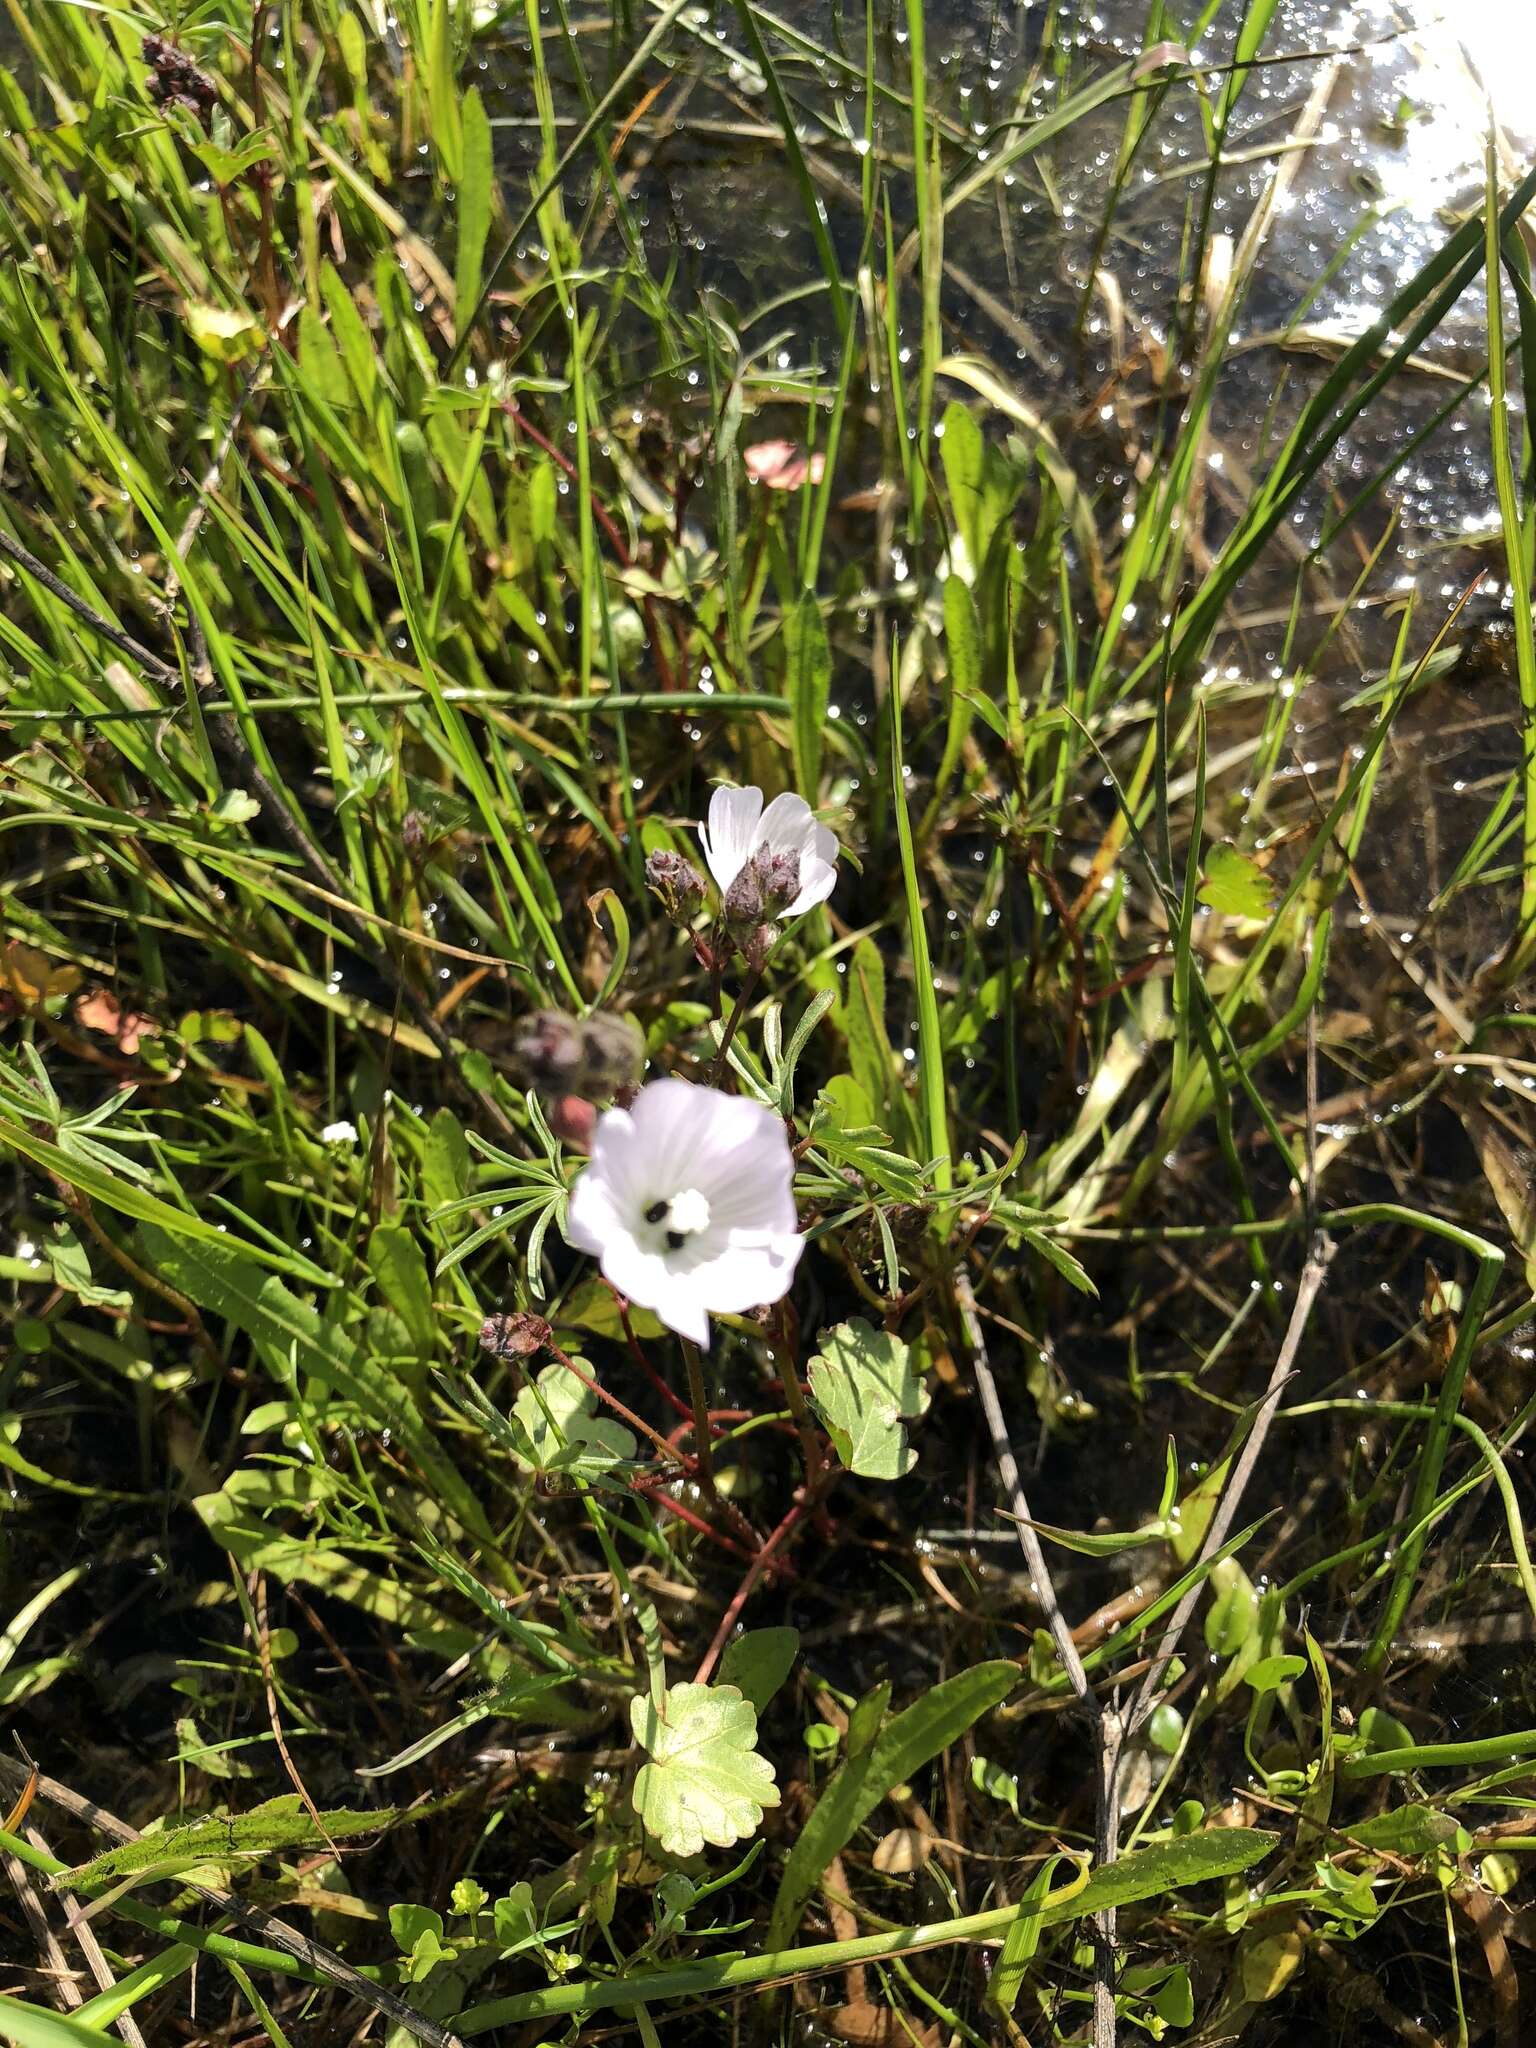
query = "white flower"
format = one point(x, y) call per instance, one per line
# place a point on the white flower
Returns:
point(339, 1134)
point(688, 1204)
point(739, 827)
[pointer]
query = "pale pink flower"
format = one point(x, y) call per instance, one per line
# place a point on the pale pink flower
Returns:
point(688, 1204)
point(739, 828)
point(781, 465)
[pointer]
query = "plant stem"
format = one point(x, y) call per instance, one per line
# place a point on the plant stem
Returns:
point(715, 1979)
point(717, 1071)
point(702, 1450)
point(788, 1351)
point(743, 1594)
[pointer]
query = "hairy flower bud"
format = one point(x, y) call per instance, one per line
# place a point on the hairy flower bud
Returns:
point(780, 880)
point(676, 883)
point(757, 944)
point(744, 899)
point(514, 1336)
point(594, 1056)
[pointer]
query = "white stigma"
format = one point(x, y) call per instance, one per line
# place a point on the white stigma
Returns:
point(679, 1217)
point(688, 1212)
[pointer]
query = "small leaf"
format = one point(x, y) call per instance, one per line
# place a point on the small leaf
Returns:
point(513, 1916)
point(1413, 1830)
point(759, 1662)
point(409, 1923)
point(1234, 1608)
point(864, 1386)
point(225, 335)
point(30, 977)
point(705, 1781)
point(1235, 883)
point(1380, 1730)
point(559, 1430)
point(234, 807)
point(1266, 1966)
point(997, 1783)
point(445, 1169)
point(1270, 1673)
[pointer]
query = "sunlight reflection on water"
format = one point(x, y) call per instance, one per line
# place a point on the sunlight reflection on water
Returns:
point(1471, 57)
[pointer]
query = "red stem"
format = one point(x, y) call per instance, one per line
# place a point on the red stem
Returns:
point(743, 1593)
point(637, 1353)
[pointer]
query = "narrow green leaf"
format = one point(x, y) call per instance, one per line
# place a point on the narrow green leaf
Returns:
point(1166, 1867)
point(222, 1278)
point(808, 685)
point(476, 186)
point(904, 1745)
point(33, 2026)
point(399, 1270)
point(274, 1827)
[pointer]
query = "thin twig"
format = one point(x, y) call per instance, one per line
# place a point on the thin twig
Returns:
point(748, 986)
point(85, 1939)
point(1104, 1721)
point(743, 1593)
point(66, 1992)
point(1024, 1526)
point(701, 1425)
point(256, 1591)
point(1312, 1276)
point(654, 1437)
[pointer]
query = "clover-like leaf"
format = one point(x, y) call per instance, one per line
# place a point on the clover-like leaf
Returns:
point(705, 1781)
point(558, 1431)
point(1236, 884)
point(864, 1386)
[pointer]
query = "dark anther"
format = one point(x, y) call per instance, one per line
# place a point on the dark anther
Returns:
point(676, 1239)
point(655, 1213)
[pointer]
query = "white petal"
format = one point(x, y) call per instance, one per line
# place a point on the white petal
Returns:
point(745, 1275)
point(786, 825)
point(592, 1218)
point(733, 818)
point(638, 1274)
point(618, 1157)
point(750, 1188)
point(688, 1137)
point(818, 878)
point(789, 825)
point(681, 1307)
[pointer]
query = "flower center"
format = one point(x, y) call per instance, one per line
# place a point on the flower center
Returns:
point(684, 1215)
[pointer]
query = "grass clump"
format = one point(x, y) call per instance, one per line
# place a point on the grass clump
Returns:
point(1028, 1617)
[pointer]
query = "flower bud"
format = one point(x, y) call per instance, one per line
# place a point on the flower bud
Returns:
point(757, 944)
point(573, 1119)
point(780, 881)
point(548, 1049)
point(593, 1056)
point(677, 884)
point(514, 1336)
point(744, 899)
